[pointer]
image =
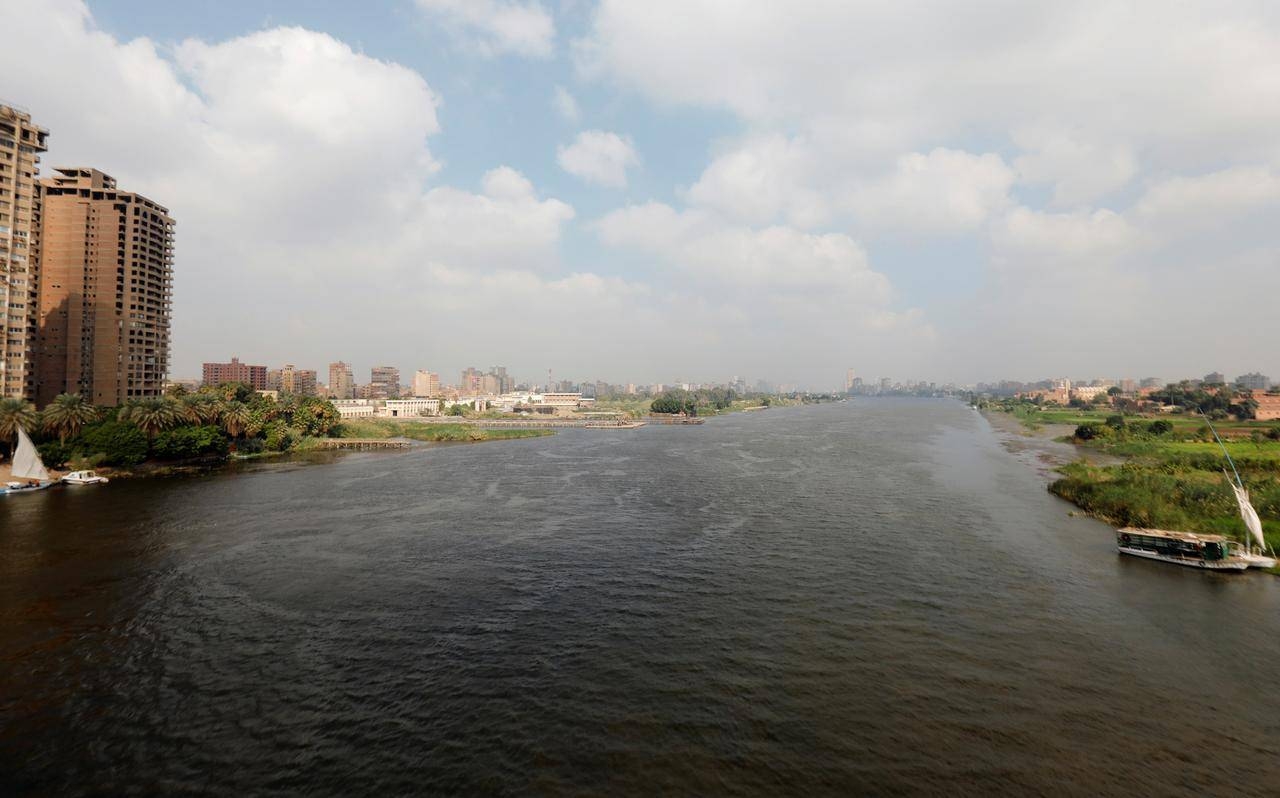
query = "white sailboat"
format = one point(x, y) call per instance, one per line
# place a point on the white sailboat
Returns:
point(27, 466)
point(1256, 555)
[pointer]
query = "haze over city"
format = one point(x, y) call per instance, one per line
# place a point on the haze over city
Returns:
point(642, 191)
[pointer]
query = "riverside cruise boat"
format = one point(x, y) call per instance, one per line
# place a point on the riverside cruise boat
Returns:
point(1208, 552)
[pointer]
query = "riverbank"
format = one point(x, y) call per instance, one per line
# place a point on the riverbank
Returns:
point(1133, 471)
point(433, 432)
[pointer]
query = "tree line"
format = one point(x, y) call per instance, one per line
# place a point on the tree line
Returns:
point(210, 422)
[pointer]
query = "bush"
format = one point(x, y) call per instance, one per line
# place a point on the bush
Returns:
point(55, 454)
point(184, 443)
point(1160, 427)
point(277, 436)
point(119, 443)
point(1089, 432)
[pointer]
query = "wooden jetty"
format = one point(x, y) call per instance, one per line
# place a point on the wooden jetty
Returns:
point(363, 444)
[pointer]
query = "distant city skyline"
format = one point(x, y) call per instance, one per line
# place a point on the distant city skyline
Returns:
point(579, 186)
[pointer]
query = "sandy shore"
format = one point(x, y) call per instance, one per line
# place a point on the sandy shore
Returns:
point(1039, 447)
point(7, 475)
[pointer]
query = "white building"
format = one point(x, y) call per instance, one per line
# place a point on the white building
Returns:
point(410, 408)
point(354, 408)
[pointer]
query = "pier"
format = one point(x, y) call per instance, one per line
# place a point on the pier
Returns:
point(363, 444)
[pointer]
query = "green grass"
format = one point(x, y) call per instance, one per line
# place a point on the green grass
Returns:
point(380, 428)
point(1167, 497)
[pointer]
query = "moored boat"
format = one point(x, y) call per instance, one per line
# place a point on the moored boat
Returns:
point(84, 478)
point(27, 466)
point(1208, 552)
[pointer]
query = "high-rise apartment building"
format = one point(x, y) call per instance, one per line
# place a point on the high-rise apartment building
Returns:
point(217, 373)
point(849, 377)
point(21, 142)
point(385, 381)
point(470, 382)
point(292, 380)
point(426, 383)
point(304, 382)
point(505, 383)
point(106, 284)
point(342, 383)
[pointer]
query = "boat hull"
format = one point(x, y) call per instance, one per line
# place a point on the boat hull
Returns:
point(6, 490)
point(1232, 564)
point(1259, 560)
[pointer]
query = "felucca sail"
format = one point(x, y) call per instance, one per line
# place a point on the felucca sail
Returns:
point(26, 461)
point(1249, 515)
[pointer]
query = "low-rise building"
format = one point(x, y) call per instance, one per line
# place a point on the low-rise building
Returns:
point(1087, 393)
point(410, 408)
point(355, 408)
point(1268, 406)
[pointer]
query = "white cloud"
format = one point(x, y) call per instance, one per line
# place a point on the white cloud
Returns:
point(1211, 199)
point(505, 227)
point(496, 27)
point(801, 299)
point(763, 179)
point(944, 191)
point(1079, 172)
point(1176, 83)
point(566, 105)
point(599, 157)
point(1070, 244)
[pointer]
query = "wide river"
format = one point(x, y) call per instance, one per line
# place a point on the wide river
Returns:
point(866, 597)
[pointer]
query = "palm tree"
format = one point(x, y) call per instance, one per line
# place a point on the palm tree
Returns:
point(15, 413)
point(202, 408)
point(236, 418)
point(152, 414)
point(67, 414)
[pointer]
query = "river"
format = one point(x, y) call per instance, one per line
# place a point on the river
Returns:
point(866, 597)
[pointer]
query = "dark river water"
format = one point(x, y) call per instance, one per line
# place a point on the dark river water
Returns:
point(868, 597)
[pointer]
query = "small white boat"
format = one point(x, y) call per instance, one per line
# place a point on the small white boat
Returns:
point(27, 466)
point(84, 478)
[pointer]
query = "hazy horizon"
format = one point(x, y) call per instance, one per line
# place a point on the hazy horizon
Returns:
point(644, 191)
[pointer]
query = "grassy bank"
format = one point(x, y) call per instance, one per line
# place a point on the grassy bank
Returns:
point(1169, 496)
point(1172, 477)
point(381, 428)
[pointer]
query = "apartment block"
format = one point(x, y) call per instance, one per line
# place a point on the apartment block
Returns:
point(235, 371)
point(21, 143)
point(426, 383)
point(106, 286)
point(342, 383)
point(292, 380)
point(385, 381)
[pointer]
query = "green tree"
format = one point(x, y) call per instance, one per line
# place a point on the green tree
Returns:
point(115, 442)
point(236, 418)
point(15, 413)
point(152, 415)
point(236, 391)
point(67, 414)
point(202, 408)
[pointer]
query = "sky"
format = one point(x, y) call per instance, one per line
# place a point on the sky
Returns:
point(689, 189)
